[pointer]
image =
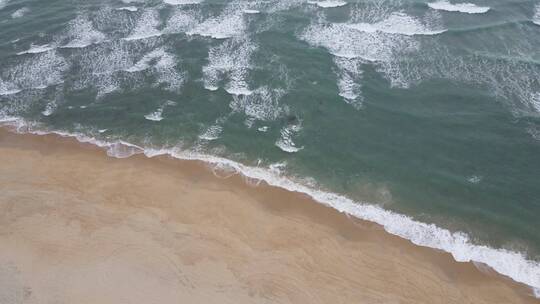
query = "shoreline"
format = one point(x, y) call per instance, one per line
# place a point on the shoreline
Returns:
point(384, 263)
point(514, 265)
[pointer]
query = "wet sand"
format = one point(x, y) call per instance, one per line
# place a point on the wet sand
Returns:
point(79, 227)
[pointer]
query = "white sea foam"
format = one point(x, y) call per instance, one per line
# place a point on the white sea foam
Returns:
point(49, 109)
point(328, 3)
point(20, 12)
point(229, 60)
point(263, 104)
point(9, 92)
point(272, 6)
point(157, 115)
point(229, 23)
point(350, 76)
point(510, 263)
point(536, 17)
point(534, 101)
point(166, 73)
point(145, 62)
point(514, 83)
point(251, 11)
point(211, 133)
point(397, 23)
point(373, 35)
point(36, 49)
point(99, 67)
point(182, 21)
point(239, 88)
point(468, 8)
point(105, 59)
point(345, 40)
point(81, 33)
point(163, 65)
point(182, 2)
point(128, 8)
point(146, 26)
point(7, 88)
point(285, 142)
point(474, 179)
point(36, 72)
point(354, 43)
point(533, 131)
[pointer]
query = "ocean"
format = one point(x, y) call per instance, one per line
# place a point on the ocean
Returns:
point(421, 116)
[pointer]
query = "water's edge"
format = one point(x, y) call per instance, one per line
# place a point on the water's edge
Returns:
point(508, 263)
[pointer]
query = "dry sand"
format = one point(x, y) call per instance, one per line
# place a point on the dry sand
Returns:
point(79, 227)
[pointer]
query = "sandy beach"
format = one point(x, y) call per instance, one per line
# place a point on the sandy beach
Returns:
point(77, 226)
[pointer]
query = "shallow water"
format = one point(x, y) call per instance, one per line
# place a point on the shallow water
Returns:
point(431, 110)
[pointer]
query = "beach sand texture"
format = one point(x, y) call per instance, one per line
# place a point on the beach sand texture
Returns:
point(79, 227)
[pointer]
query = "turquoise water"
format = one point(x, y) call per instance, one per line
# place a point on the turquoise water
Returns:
point(431, 110)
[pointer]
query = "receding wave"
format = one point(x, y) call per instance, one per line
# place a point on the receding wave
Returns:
point(510, 263)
